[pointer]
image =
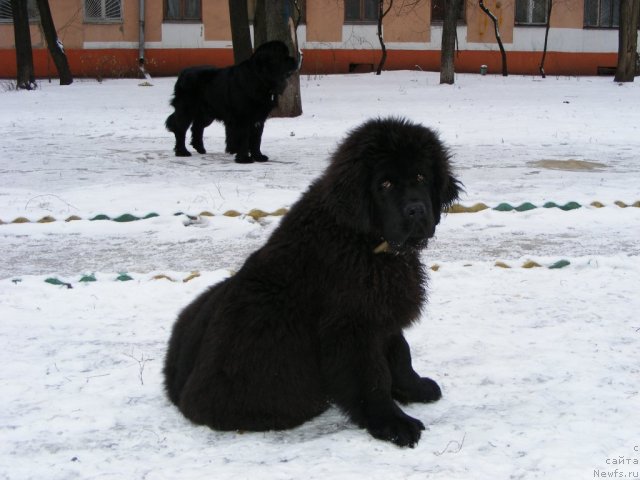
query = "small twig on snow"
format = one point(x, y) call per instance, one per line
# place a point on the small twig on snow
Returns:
point(141, 363)
point(452, 442)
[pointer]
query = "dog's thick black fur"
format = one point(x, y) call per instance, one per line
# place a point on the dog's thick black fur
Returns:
point(241, 96)
point(316, 315)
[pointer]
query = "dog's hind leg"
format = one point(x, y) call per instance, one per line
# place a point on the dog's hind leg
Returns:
point(179, 124)
point(197, 132)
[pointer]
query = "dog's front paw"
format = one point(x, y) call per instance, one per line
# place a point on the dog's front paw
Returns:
point(243, 159)
point(260, 157)
point(423, 390)
point(402, 430)
point(182, 152)
point(427, 391)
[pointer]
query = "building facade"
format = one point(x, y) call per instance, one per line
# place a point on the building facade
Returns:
point(107, 38)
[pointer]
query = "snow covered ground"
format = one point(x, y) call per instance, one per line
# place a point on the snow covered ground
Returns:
point(539, 366)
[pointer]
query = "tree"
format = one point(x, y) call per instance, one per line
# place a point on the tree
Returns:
point(381, 14)
point(627, 40)
point(24, 56)
point(240, 33)
point(449, 30)
point(546, 39)
point(275, 20)
point(53, 43)
point(498, 38)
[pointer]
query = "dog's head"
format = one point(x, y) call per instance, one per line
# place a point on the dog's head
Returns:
point(391, 179)
point(274, 65)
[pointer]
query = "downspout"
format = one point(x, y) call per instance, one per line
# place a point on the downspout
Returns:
point(141, 40)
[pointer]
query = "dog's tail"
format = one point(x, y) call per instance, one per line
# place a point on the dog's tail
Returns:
point(180, 93)
point(170, 122)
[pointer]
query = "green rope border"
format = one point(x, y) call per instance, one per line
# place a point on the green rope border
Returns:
point(126, 277)
point(526, 206)
point(257, 214)
point(121, 277)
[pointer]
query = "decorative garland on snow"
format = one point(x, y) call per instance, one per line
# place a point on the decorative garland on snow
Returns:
point(125, 277)
point(257, 214)
point(526, 206)
point(122, 277)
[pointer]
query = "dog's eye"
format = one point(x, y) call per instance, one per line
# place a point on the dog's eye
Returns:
point(386, 185)
point(420, 178)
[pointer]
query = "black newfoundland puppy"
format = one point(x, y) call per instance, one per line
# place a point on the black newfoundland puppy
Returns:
point(315, 316)
point(241, 96)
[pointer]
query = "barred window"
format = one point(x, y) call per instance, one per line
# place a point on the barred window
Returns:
point(6, 13)
point(602, 13)
point(183, 10)
point(531, 12)
point(102, 10)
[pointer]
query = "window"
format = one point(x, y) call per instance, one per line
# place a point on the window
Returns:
point(6, 13)
point(361, 11)
point(531, 12)
point(437, 11)
point(183, 10)
point(102, 10)
point(602, 13)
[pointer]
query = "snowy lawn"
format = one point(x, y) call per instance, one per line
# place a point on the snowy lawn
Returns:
point(540, 366)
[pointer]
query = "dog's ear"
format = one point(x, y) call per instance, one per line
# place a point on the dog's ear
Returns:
point(346, 193)
point(347, 183)
point(451, 191)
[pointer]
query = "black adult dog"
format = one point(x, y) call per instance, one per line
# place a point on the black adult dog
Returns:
point(241, 96)
point(316, 315)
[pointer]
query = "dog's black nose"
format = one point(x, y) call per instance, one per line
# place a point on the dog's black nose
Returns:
point(415, 210)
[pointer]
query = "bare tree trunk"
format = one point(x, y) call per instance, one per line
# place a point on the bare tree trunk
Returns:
point(627, 40)
point(546, 39)
point(55, 46)
point(259, 23)
point(449, 29)
point(24, 55)
point(498, 38)
point(240, 33)
point(381, 14)
point(274, 20)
